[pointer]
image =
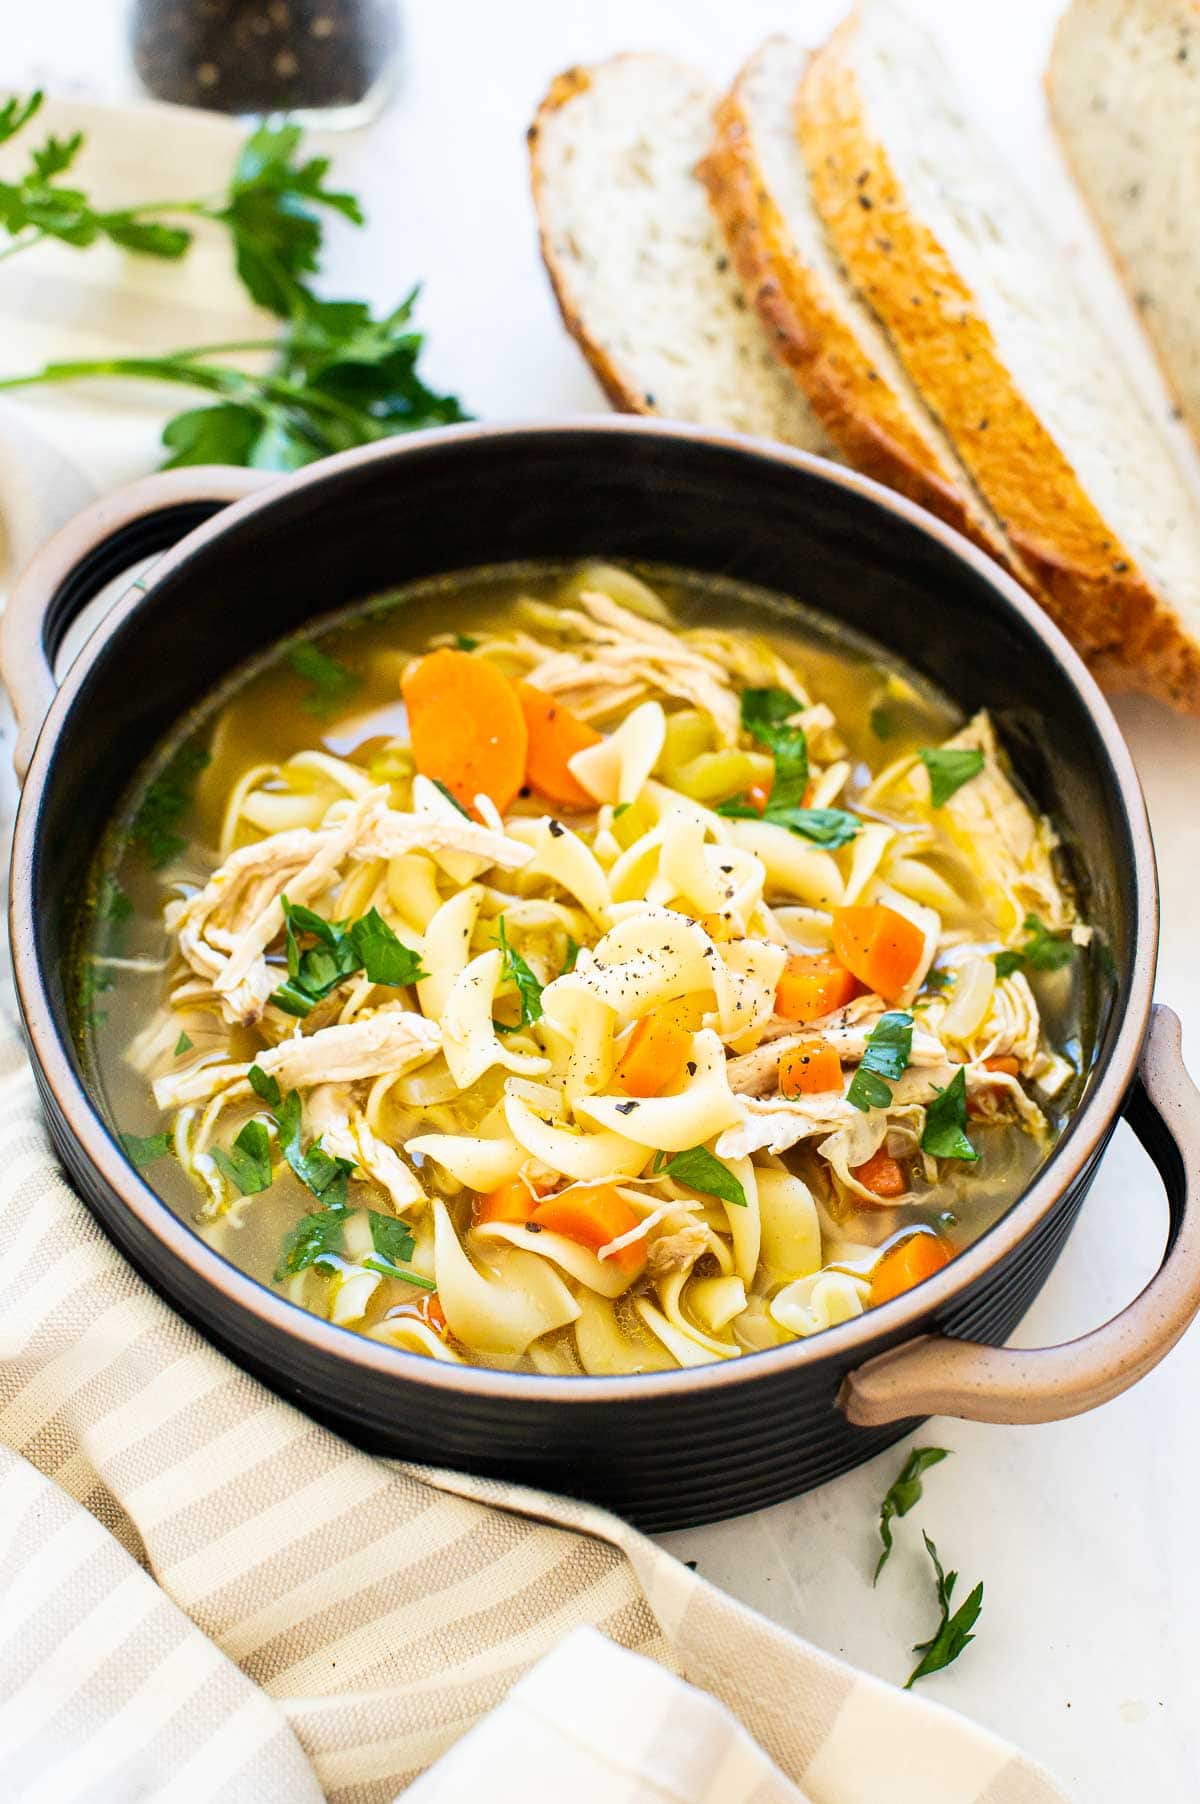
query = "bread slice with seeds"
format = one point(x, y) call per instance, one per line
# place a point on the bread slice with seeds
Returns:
point(975, 298)
point(831, 342)
point(1124, 87)
point(641, 274)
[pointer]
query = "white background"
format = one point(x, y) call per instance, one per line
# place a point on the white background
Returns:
point(1085, 1533)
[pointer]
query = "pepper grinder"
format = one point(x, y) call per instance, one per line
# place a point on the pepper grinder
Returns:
point(327, 63)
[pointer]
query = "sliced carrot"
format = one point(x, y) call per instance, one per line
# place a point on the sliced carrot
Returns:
point(654, 1055)
point(812, 985)
point(555, 735)
point(882, 1174)
point(915, 1257)
point(593, 1214)
point(426, 1308)
point(513, 1202)
point(1010, 1066)
point(881, 947)
point(810, 1069)
point(758, 795)
point(466, 726)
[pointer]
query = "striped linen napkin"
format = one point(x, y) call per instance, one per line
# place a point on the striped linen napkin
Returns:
point(207, 1596)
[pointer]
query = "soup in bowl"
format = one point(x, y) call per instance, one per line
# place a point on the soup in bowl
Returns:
point(638, 976)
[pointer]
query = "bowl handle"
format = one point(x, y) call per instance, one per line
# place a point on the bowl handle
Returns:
point(937, 1376)
point(74, 565)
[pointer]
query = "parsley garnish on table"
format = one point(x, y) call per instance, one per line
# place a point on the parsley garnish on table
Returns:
point(906, 1491)
point(334, 377)
point(953, 1632)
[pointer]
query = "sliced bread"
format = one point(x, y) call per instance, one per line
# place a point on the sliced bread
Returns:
point(642, 277)
point(974, 296)
point(1124, 86)
point(830, 341)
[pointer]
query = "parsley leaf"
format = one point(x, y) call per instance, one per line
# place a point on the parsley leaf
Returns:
point(141, 1152)
point(889, 1045)
point(464, 642)
point(332, 684)
point(701, 1170)
point(271, 215)
point(248, 1164)
point(572, 953)
point(265, 1086)
point(325, 1177)
point(940, 980)
point(515, 970)
point(953, 1633)
point(949, 768)
point(1044, 950)
point(164, 804)
point(881, 722)
point(313, 1238)
point(945, 1133)
point(384, 957)
point(183, 1044)
point(764, 714)
point(394, 1246)
point(1007, 962)
point(824, 826)
point(903, 1494)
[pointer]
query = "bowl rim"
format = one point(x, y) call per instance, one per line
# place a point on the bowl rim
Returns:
point(846, 1343)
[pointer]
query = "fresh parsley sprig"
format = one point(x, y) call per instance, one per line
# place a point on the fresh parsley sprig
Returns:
point(337, 376)
point(906, 1491)
point(945, 1134)
point(953, 1633)
point(515, 969)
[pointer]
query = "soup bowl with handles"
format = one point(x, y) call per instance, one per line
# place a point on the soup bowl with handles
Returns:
point(248, 559)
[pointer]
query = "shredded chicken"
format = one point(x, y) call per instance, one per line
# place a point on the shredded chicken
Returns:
point(392, 1041)
point(676, 1252)
point(755, 1073)
point(333, 1115)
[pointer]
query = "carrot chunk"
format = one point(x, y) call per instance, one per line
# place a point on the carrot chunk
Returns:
point(466, 726)
point(513, 1202)
point(809, 1069)
point(555, 735)
point(882, 1174)
point(881, 947)
point(915, 1257)
point(758, 795)
point(1010, 1066)
point(655, 1054)
point(593, 1214)
point(812, 985)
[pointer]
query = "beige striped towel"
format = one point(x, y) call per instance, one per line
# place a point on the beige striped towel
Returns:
point(206, 1596)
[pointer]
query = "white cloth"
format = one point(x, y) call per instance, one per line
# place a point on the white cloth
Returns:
point(206, 1596)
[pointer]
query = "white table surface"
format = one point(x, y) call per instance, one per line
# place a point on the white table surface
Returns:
point(1085, 1534)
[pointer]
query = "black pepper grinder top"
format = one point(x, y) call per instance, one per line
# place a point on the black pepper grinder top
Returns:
point(328, 60)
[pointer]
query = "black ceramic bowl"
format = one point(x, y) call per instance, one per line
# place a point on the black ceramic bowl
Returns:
point(666, 1449)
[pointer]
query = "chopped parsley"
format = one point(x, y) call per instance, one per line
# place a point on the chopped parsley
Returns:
point(945, 1133)
point(882, 723)
point(953, 1633)
point(1044, 950)
point(886, 1056)
point(830, 827)
point(142, 1152)
point(164, 804)
point(949, 768)
point(313, 1238)
point(515, 970)
point(330, 683)
point(572, 953)
point(265, 1086)
point(183, 1044)
point(247, 1165)
point(324, 1176)
point(903, 1494)
point(464, 642)
point(701, 1170)
point(764, 716)
point(341, 951)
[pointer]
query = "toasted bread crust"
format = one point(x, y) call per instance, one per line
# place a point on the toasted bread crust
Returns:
point(1085, 576)
point(853, 400)
point(622, 392)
